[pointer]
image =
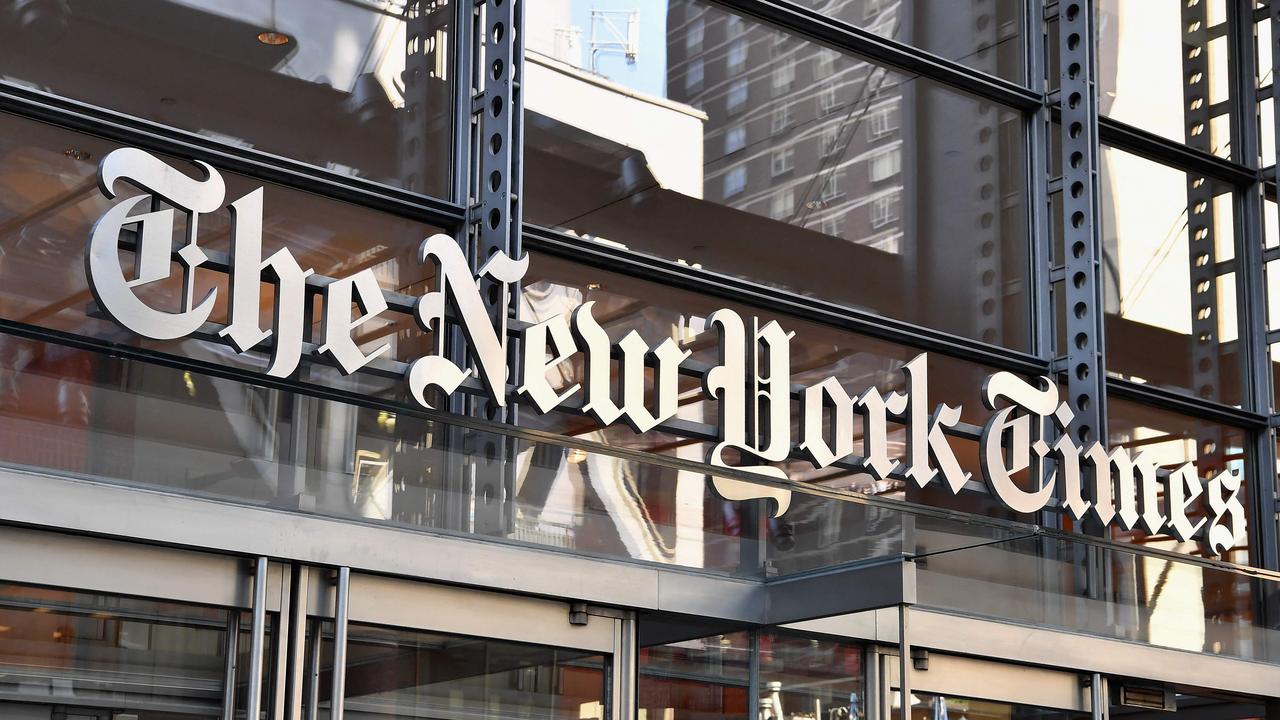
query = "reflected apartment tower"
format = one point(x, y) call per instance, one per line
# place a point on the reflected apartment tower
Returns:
point(797, 132)
point(819, 139)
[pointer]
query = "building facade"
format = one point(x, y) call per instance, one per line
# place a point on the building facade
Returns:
point(639, 359)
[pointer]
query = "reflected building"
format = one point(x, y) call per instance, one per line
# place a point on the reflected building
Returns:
point(857, 156)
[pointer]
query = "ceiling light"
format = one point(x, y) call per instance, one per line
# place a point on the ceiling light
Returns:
point(271, 37)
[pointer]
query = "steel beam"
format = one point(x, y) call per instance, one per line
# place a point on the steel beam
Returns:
point(1251, 292)
point(135, 132)
point(803, 21)
point(1081, 247)
point(257, 639)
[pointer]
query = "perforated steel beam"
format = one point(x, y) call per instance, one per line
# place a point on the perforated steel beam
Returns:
point(495, 224)
point(1081, 248)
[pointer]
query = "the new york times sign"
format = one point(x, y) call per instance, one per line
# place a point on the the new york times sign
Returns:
point(750, 382)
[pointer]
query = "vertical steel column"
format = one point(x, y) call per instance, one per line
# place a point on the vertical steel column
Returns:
point(1269, 511)
point(313, 670)
point(495, 220)
point(257, 636)
point(295, 657)
point(904, 661)
point(1084, 359)
point(1201, 236)
point(753, 675)
point(1081, 248)
point(1099, 697)
point(625, 670)
point(231, 647)
point(988, 266)
point(873, 708)
point(278, 668)
point(425, 77)
point(1251, 287)
point(1039, 227)
point(342, 599)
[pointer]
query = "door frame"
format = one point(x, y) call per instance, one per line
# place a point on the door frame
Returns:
point(116, 567)
point(343, 596)
point(980, 679)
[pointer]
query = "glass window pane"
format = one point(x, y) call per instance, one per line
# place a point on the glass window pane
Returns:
point(357, 87)
point(1265, 69)
point(1171, 440)
point(1153, 75)
point(925, 706)
point(1168, 243)
point(702, 678)
point(109, 654)
point(49, 201)
point(985, 36)
point(1267, 132)
point(395, 673)
point(67, 412)
point(810, 677)
point(624, 304)
point(845, 182)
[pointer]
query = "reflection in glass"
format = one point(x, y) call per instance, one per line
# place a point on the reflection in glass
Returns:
point(985, 36)
point(624, 304)
point(107, 654)
point(700, 678)
point(1171, 440)
point(49, 201)
point(726, 144)
point(1265, 69)
point(83, 414)
point(393, 673)
point(1163, 67)
point(361, 88)
point(1046, 581)
point(936, 707)
point(810, 679)
point(1168, 241)
point(709, 677)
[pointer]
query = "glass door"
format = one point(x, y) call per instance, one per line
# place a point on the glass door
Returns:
point(96, 629)
point(415, 650)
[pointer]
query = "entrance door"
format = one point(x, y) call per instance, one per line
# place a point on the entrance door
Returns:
point(948, 687)
point(95, 629)
point(415, 650)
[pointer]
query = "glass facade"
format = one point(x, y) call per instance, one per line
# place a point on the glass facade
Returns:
point(1076, 197)
point(757, 143)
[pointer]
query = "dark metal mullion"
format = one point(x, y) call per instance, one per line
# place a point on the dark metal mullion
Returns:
point(802, 21)
point(1251, 301)
point(1184, 404)
point(645, 267)
point(1039, 224)
point(1171, 152)
point(1085, 365)
point(496, 224)
point(127, 130)
point(464, 45)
